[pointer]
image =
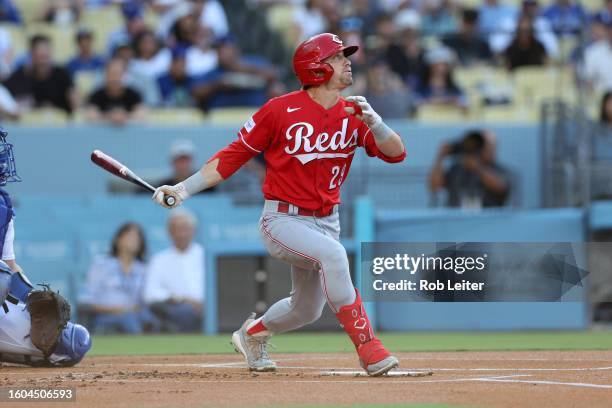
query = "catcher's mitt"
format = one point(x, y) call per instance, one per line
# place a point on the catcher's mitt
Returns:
point(49, 313)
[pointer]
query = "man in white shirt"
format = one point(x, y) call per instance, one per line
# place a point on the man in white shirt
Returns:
point(174, 286)
point(598, 63)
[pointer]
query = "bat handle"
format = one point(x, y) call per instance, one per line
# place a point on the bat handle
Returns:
point(169, 200)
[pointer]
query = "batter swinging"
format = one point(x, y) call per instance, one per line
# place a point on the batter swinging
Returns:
point(308, 138)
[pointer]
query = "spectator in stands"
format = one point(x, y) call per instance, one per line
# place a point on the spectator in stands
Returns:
point(350, 33)
point(438, 18)
point(133, 24)
point(309, 18)
point(237, 81)
point(525, 49)
point(9, 109)
point(6, 53)
point(474, 179)
point(175, 86)
point(566, 17)
point(597, 62)
point(174, 289)
point(114, 285)
point(543, 30)
point(467, 43)
point(386, 92)
point(39, 82)
point(182, 153)
point(150, 61)
point(9, 13)
point(437, 85)
point(368, 12)
point(385, 31)
point(61, 12)
point(114, 103)
point(211, 15)
point(605, 14)
point(184, 28)
point(491, 13)
point(605, 115)
point(86, 59)
point(201, 58)
point(406, 57)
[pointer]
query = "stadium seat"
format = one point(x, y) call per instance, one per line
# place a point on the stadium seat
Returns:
point(280, 19)
point(44, 117)
point(440, 113)
point(230, 116)
point(29, 9)
point(102, 21)
point(179, 116)
point(86, 82)
point(533, 85)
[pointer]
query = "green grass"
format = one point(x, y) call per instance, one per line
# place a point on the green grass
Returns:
point(338, 342)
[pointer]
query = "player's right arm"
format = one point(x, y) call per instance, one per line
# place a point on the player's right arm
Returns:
point(253, 138)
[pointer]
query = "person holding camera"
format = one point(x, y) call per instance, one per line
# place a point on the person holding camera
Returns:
point(474, 180)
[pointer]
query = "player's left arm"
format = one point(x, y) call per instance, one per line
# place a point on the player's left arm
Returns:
point(387, 140)
point(8, 252)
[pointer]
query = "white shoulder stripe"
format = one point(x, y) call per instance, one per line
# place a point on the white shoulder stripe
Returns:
point(246, 144)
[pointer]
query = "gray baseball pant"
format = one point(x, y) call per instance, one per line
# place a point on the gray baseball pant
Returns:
point(319, 266)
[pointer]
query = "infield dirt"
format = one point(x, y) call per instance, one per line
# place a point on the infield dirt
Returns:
point(482, 379)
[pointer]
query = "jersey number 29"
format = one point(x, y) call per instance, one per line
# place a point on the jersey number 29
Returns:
point(337, 177)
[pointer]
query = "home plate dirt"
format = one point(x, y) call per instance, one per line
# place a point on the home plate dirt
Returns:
point(480, 379)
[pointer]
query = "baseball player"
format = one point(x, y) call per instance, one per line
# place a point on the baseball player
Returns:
point(308, 138)
point(34, 326)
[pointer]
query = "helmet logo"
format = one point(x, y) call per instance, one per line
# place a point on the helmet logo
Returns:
point(336, 39)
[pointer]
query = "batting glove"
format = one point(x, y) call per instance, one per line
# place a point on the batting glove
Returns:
point(177, 191)
point(379, 129)
point(368, 115)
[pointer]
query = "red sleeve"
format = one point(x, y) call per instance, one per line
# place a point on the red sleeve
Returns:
point(254, 136)
point(257, 133)
point(366, 140)
point(232, 157)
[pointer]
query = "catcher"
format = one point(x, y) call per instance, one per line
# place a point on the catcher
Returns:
point(34, 326)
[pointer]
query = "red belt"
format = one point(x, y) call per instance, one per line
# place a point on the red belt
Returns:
point(284, 208)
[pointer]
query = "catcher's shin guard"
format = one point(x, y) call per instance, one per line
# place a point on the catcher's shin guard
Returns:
point(373, 356)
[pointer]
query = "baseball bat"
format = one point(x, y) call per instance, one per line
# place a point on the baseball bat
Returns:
point(118, 169)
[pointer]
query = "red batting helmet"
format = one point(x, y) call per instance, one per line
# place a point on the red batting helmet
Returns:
point(308, 59)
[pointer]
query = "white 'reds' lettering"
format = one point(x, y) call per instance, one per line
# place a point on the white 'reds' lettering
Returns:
point(300, 133)
point(300, 126)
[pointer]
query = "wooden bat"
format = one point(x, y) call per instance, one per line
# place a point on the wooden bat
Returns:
point(118, 169)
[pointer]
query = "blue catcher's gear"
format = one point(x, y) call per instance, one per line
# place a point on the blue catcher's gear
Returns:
point(20, 286)
point(5, 283)
point(8, 171)
point(74, 342)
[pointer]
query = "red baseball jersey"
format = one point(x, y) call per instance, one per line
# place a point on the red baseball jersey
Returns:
point(308, 149)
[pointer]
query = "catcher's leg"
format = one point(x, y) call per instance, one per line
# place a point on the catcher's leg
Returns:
point(17, 347)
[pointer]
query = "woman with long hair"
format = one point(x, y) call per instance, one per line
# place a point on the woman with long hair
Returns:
point(115, 283)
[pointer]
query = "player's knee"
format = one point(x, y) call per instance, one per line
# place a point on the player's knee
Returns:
point(335, 260)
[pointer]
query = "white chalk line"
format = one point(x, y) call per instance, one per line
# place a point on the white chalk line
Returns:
point(571, 384)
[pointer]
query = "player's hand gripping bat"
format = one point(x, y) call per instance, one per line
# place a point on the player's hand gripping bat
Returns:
point(120, 170)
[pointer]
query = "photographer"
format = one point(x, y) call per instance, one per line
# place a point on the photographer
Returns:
point(474, 180)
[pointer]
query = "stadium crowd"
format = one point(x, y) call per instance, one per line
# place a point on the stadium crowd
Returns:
point(208, 54)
